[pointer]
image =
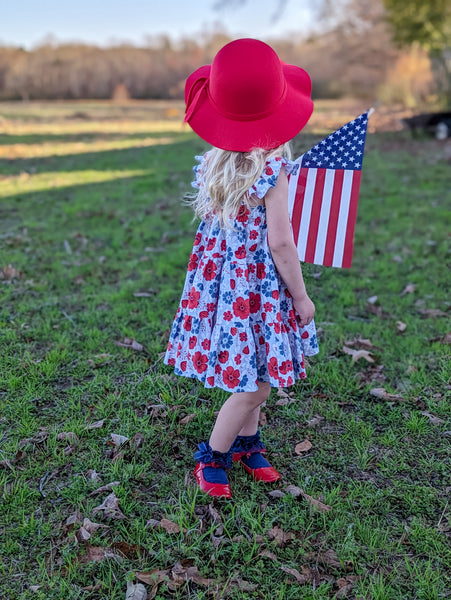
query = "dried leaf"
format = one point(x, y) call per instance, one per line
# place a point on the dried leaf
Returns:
point(446, 339)
point(315, 420)
point(110, 507)
point(268, 554)
point(66, 435)
point(9, 272)
point(105, 488)
point(93, 588)
point(294, 490)
point(187, 419)
point(295, 573)
point(95, 425)
point(135, 591)
point(169, 526)
point(181, 574)
point(345, 586)
point(93, 554)
point(297, 491)
point(241, 584)
point(279, 535)
point(302, 447)
point(153, 577)
point(372, 300)
point(118, 440)
point(276, 494)
point(82, 535)
point(358, 354)
point(400, 326)
point(433, 419)
point(384, 395)
point(409, 289)
point(92, 527)
point(92, 475)
point(137, 440)
point(130, 343)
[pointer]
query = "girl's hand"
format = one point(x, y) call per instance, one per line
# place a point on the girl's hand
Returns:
point(305, 310)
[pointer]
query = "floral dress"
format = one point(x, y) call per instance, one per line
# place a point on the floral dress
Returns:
point(236, 325)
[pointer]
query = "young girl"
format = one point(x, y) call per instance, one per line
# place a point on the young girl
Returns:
point(245, 320)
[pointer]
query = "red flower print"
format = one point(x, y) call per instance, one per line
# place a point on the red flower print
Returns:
point(257, 328)
point(201, 249)
point(246, 350)
point(287, 293)
point(302, 364)
point(289, 381)
point(254, 303)
point(169, 346)
point(241, 308)
point(243, 214)
point(268, 306)
point(218, 369)
point(223, 246)
point(269, 171)
point(279, 317)
point(234, 331)
point(203, 314)
point(286, 366)
point(257, 221)
point(193, 298)
point(243, 337)
point(232, 284)
point(228, 316)
point(275, 294)
point(210, 270)
point(206, 344)
point(200, 362)
point(211, 380)
point(253, 235)
point(187, 322)
point(192, 262)
point(223, 356)
point(304, 335)
point(211, 306)
point(171, 361)
point(197, 239)
point(183, 365)
point(192, 341)
point(261, 340)
point(253, 248)
point(273, 367)
point(261, 270)
point(241, 252)
point(302, 375)
point(238, 359)
point(231, 377)
point(211, 243)
point(277, 328)
point(239, 272)
point(184, 303)
point(251, 268)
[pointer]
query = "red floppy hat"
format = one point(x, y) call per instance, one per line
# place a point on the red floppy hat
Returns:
point(248, 98)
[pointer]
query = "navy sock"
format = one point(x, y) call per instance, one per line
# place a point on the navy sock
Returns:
point(215, 475)
point(255, 461)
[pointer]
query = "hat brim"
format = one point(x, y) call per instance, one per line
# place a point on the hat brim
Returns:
point(286, 121)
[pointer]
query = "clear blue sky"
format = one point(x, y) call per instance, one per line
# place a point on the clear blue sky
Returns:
point(27, 22)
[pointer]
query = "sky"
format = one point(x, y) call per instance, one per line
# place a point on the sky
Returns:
point(27, 22)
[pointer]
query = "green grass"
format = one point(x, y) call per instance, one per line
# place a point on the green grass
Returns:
point(89, 221)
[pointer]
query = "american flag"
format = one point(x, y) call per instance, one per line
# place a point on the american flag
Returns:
point(323, 195)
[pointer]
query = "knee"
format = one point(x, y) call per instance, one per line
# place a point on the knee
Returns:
point(261, 395)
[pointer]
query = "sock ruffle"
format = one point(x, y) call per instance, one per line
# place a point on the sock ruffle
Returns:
point(213, 458)
point(245, 445)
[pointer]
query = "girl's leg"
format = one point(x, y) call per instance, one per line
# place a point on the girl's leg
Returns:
point(251, 425)
point(238, 412)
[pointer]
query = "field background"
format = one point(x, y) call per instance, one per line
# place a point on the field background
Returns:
point(94, 242)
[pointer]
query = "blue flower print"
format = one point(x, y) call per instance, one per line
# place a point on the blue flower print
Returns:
point(227, 297)
point(226, 340)
point(213, 289)
point(313, 341)
point(260, 255)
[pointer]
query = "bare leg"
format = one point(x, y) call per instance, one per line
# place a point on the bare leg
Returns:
point(251, 425)
point(235, 414)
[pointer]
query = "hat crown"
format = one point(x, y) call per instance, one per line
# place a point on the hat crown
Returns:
point(246, 79)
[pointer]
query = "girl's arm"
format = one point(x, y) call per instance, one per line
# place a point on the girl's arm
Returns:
point(283, 249)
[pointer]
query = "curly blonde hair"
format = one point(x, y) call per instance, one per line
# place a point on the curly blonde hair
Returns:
point(226, 177)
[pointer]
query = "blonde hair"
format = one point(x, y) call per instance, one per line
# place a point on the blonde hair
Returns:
point(226, 177)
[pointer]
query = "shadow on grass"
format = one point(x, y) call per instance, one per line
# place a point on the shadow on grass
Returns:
point(7, 139)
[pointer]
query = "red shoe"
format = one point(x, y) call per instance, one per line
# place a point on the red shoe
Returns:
point(217, 490)
point(267, 474)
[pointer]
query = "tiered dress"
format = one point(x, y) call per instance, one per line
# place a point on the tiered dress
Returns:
point(236, 324)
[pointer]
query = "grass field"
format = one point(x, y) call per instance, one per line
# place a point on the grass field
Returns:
point(94, 242)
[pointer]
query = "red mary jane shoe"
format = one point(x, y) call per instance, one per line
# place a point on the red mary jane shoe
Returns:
point(266, 474)
point(217, 490)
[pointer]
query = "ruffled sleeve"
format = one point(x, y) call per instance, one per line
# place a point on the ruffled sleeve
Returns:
point(198, 171)
point(268, 178)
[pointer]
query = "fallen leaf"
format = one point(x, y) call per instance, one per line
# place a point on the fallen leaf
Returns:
point(279, 535)
point(294, 490)
point(66, 435)
point(372, 300)
point(400, 326)
point(9, 272)
point(306, 574)
point(315, 421)
point(95, 425)
point(276, 494)
point(169, 526)
point(118, 440)
point(433, 419)
point(135, 591)
point(137, 440)
point(302, 447)
point(92, 554)
point(409, 289)
point(446, 339)
point(110, 507)
point(130, 343)
point(82, 535)
point(93, 588)
point(345, 586)
point(268, 554)
point(92, 527)
point(358, 354)
point(241, 584)
point(92, 475)
point(34, 588)
point(384, 395)
point(187, 419)
point(105, 488)
point(153, 577)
